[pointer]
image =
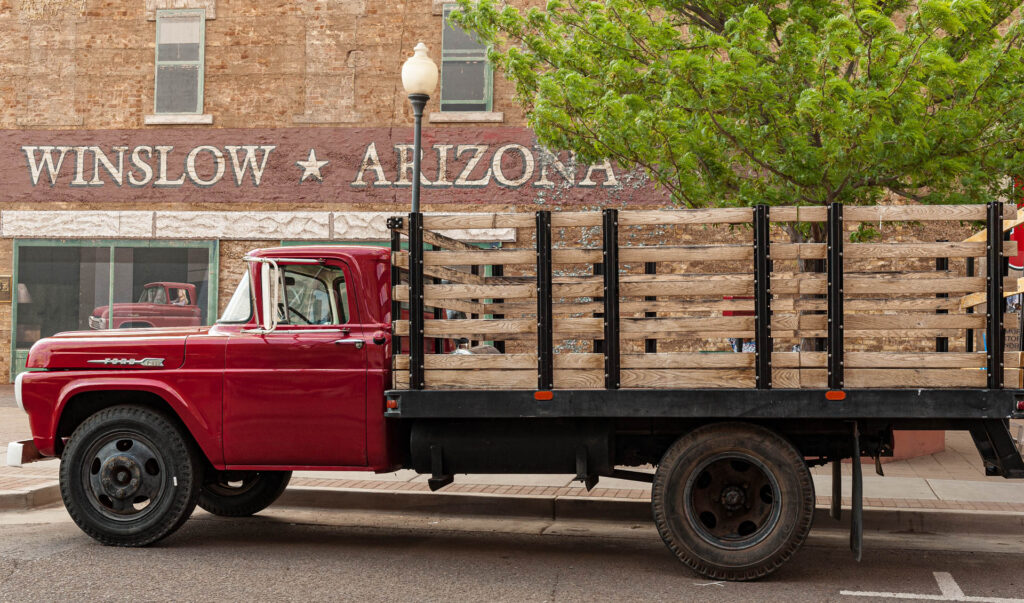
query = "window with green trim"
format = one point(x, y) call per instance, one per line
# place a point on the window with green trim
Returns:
point(180, 41)
point(466, 78)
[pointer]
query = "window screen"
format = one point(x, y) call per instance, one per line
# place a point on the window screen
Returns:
point(179, 61)
point(465, 72)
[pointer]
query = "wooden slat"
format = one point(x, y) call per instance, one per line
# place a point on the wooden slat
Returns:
point(880, 304)
point(883, 359)
point(686, 378)
point(914, 377)
point(799, 214)
point(791, 378)
point(976, 299)
point(696, 360)
point(577, 379)
point(913, 250)
point(401, 259)
point(870, 322)
point(686, 253)
point(660, 327)
point(727, 215)
point(470, 221)
point(814, 284)
point(916, 213)
point(856, 251)
point(439, 240)
point(626, 308)
point(1008, 222)
point(569, 219)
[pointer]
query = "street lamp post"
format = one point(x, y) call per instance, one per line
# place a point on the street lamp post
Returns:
point(419, 78)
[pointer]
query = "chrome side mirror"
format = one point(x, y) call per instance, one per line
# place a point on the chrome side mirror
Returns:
point(269, 294)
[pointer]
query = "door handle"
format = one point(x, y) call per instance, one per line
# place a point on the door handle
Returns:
point(358, 343)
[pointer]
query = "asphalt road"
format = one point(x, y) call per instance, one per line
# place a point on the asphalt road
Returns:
point(293, 554)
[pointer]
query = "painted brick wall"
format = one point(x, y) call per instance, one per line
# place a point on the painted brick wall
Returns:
point(277, 63)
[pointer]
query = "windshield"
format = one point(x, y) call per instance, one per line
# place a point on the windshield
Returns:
point(240, 307)
point(153, 295)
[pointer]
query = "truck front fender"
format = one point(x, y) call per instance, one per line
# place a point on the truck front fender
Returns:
point(202, 422)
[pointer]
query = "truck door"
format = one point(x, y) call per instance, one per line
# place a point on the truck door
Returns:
point(297, 396)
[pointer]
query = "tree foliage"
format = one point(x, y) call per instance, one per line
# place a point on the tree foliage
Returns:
point(733, 102)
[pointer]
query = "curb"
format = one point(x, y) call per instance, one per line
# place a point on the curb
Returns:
point(14, 500)
point(930, 521)
point(552, 508)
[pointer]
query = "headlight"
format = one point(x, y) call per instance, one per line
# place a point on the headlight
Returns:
point(96, 322)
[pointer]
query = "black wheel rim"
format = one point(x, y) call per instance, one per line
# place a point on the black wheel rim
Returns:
point(732, 501)
point(232, 483)
point(125, 476)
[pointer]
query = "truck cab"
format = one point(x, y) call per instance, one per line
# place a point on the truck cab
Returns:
point(293, 378)
point(162, 304)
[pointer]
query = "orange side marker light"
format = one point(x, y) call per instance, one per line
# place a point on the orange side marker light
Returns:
point(543, 395)
point(392, 404)
point(835, 395)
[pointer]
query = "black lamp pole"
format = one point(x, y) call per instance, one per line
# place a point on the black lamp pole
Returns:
point(418, 102)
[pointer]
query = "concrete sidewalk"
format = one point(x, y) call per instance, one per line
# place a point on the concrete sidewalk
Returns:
point(952, 481)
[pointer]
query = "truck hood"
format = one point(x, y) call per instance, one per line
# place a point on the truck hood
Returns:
point(118, 349)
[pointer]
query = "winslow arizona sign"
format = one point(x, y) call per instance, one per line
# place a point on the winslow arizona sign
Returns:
point(346, 165)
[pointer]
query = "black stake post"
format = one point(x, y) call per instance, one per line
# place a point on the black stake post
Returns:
point(942, 343)
point(762, 298)
point(650, 345)
point(969, 342)
point(545, 343)
point(835, 296)
point(994, 271)
point(498, 270)
point(395, 224)
point(416, 352)
point(611, 298)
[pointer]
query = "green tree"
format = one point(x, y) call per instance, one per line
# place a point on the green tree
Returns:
point(733, 102)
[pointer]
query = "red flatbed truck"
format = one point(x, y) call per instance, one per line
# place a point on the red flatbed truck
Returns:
point(317, 364)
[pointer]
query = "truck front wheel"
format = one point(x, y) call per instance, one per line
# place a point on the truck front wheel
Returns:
point(129, 476)
point(733, 501)
point(242, 493)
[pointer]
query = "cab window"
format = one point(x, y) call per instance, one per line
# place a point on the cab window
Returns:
point(312, 295)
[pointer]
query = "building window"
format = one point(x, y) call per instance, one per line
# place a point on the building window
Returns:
point(180, 37)
point(465, 71)
point(96, 285)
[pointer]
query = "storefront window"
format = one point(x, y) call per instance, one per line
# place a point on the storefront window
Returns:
point(70, 286)
point(59, 289)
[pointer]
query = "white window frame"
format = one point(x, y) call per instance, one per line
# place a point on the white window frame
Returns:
point(472, 115)
point(189, 117)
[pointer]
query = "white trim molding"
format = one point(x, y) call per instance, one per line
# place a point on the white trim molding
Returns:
point(172, 119)
point(466, 117)
point(220, 225)
point(154, 5)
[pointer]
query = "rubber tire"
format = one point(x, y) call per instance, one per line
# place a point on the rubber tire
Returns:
point(268, 487)
point(778, 455)
point(183, 464)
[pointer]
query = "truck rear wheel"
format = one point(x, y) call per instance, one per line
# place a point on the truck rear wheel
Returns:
point(242, 493)
point(733, 501)
point(129, 476)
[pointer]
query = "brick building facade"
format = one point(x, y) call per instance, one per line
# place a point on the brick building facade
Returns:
point(154, 141)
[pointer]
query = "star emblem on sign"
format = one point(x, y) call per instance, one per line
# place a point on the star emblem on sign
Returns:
point(311, 167)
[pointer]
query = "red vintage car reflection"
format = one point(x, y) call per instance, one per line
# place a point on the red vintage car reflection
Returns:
point(160, 305)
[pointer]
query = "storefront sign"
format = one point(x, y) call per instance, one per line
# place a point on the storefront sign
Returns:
point(5, 289)
point(353, 165)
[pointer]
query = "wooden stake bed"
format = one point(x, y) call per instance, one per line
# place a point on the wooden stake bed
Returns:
point(670, 317)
